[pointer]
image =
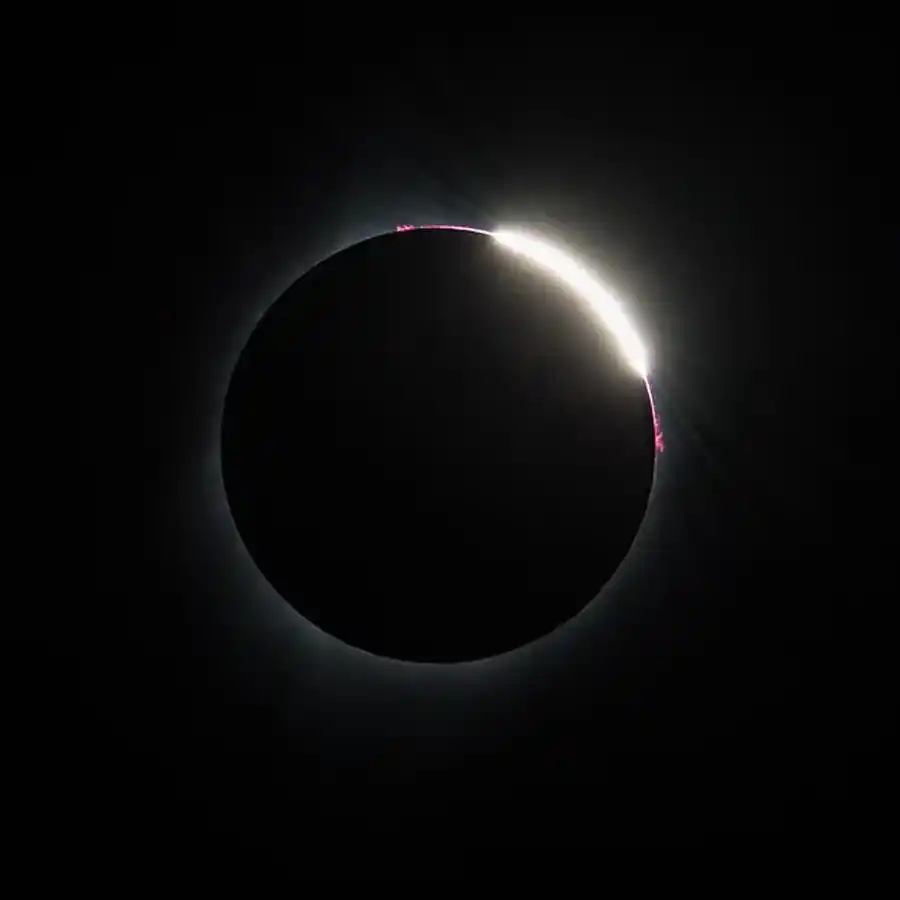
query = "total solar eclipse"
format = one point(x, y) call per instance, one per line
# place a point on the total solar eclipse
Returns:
point(438, 444)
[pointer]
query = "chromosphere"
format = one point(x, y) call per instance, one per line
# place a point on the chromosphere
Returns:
point(436, 450)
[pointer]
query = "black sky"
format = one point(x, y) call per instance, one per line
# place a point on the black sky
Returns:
point(728, 683)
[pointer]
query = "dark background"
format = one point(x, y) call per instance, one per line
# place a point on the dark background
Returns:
point(733, 680)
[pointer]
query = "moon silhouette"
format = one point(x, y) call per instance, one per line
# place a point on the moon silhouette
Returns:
point(433, 451)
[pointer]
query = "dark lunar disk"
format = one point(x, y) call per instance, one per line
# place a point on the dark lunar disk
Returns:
point(432, 450)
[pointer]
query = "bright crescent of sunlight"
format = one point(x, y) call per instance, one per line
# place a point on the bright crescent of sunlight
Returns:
point(598, 297)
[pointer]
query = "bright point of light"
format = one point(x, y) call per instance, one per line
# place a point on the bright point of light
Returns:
point(598, 297)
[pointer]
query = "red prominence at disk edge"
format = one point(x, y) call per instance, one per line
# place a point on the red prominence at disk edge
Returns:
point(657, 430)
point(440, 227)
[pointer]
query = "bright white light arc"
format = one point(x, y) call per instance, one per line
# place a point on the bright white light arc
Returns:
point(595, 294)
